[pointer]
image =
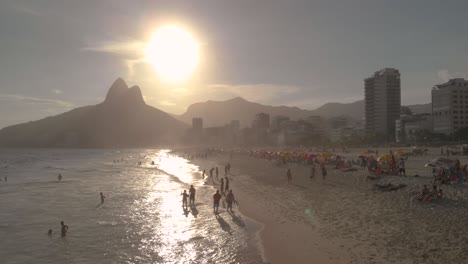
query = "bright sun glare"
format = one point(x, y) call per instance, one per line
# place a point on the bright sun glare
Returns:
point(173, 53)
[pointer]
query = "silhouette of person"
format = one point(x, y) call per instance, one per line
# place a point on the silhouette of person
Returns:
point(64, 229)
point(216, 198)
point(192, 195)
point(184, 198)
point(230, 200)
point(102, 197)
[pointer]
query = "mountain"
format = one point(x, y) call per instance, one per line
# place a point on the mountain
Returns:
point(122, 120)
point(216, 113)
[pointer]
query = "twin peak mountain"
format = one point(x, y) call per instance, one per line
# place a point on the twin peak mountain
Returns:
point(122, 120)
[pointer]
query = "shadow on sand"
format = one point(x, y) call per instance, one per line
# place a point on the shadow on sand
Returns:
point(224, 225)
point(193, 210)
point(237, 219)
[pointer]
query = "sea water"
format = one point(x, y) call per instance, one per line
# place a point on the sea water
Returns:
point(141, 221)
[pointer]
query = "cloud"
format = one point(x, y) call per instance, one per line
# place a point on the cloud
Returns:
point(445, 75)
point(264, 93)
point(167, 103)
point(26, 108)
point(132, 52)
point(25, 9)
point(34, 100)
point(57, 91)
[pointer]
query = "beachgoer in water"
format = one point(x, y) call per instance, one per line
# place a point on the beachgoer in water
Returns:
point(216, 198)
point(192, 195)
point(217, 173)
point(222, 185)
point(227, 184)
point(312, 171)
point(102, 197)
point(6, 178)
point(59, 177)
point(203, 176)
point(324, 171)
point(288, 174)
point(230, 200)
point(50, 232)
point(152, 162)
point(184, 198)
point(64, 229)
point(211, 173)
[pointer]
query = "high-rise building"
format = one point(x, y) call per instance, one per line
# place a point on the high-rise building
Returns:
point(197, 124)
point(262, 121)
point(450, 106)
point(382, 102)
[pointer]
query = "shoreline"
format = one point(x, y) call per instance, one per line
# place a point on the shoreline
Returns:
point(343, 219)
point(275, 234)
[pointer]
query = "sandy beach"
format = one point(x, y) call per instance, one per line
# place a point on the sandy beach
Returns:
point(344, 219)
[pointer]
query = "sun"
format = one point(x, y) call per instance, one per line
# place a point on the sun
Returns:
point(173, 53)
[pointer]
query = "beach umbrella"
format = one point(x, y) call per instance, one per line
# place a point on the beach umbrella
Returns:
point(326, 155)
point(441, 162)
point(386, 157)
point(401, 152)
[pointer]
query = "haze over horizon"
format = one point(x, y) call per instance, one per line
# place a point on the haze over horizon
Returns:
point(59, 55)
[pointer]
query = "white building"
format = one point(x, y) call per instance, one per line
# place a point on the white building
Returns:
point(408, 125)
point(382, 101)
point(450, 106)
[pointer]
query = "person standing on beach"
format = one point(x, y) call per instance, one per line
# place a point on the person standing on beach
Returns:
point(222, 185)
point(216, 199)
point(64, 229)
point(230, 200)
point(401, 167)
point(217, 173)
point(211, 173)
point(227, 184)
point(184, 198)
point(203, 175)
point(312, 171)
point(102, 197)
point(192, 195)
point(288, 174)
point(324, 171)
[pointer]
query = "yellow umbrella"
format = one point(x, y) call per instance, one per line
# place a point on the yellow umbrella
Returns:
point(326, 155)
point(386, 157)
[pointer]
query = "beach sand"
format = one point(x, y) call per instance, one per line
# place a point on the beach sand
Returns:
point(343, 219)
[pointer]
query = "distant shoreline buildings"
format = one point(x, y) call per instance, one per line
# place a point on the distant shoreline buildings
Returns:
point(385, 121)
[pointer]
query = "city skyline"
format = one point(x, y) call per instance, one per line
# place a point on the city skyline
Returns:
point(298, 54)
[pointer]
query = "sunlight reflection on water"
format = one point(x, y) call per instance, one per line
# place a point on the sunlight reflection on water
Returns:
point(142, 220)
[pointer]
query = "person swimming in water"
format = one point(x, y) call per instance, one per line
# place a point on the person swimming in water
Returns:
point(50, 232)
point(59, 177)
point(102, 197)
point(64, 229)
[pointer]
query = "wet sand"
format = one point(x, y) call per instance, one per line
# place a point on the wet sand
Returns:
point(343, 219)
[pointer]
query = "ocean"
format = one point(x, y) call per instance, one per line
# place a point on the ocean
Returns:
point(141, 221)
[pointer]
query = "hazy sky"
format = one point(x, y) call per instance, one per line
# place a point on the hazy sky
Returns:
point(59, 54)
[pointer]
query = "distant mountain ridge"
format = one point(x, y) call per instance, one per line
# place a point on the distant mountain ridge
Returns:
point(122, 120)
point(216, 113)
